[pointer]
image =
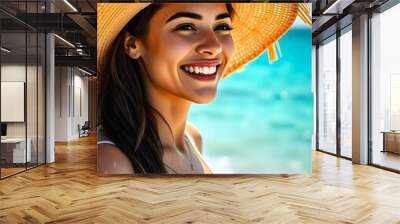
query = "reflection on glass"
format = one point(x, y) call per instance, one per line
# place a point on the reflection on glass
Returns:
point(22, 89)
point(386, 89)
point(346, 94)
point(327, 97)
point(14, 146)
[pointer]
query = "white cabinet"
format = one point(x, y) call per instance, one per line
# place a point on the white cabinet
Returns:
point(16, 147)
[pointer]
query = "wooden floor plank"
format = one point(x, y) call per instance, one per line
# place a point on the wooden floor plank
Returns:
point(69, 191)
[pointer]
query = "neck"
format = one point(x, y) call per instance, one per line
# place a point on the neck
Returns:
point(171, 122)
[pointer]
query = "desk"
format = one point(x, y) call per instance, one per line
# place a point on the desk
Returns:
point(13, 150)
point(391, 141)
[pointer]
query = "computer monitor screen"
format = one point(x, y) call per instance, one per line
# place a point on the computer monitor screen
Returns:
point(3, 129)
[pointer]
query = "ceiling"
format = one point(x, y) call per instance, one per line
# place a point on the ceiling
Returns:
point(329, 16)
point(74, 22)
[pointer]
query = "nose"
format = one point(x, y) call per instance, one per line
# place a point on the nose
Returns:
point(210, 46)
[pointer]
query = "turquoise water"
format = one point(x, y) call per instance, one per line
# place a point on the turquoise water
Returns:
point(262, 118)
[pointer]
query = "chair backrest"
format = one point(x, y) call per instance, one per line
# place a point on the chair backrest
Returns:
point(86, 125)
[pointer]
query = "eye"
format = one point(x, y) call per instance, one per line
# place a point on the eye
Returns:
point(185, 27)
point(224, 27)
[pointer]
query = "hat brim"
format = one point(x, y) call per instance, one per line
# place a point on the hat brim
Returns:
point(256, 27)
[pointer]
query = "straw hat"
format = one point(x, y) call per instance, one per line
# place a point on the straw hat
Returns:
point(258, 27)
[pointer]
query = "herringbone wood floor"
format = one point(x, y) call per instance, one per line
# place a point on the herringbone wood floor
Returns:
point(70, 192)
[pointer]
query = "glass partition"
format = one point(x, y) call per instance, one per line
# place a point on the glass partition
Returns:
point(327, 96)
point(14, 152)
point(385, 89)
point(346, 93)
point(22, 89)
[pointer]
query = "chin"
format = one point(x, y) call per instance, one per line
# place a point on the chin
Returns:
point(203, 99)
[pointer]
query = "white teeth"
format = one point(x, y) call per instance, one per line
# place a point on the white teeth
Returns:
point(205, 70)
point(212, 70)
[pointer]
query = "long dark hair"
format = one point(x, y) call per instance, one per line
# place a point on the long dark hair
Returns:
point(124, 111)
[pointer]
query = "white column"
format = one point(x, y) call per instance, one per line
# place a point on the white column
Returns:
point(360, 90)
point(50, 92)
point(50, 98)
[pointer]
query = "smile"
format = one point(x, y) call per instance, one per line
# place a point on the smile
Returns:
point(201, 70)
point(206, 71)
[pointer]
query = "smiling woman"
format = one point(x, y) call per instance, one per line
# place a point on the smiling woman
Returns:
point(155, 60)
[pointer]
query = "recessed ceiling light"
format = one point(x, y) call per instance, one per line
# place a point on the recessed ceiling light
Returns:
point(5, 50)
point(70, 5)
point(64, 40)
point(84, 71)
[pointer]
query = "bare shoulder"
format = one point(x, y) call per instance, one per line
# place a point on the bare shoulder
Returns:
point(111, 160)
point(195, 135)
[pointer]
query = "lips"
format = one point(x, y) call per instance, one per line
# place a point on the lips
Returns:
point(201, 70)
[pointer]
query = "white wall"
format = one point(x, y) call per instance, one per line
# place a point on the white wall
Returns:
point(80, 101)
point(71, 94)
point(61, 103)
point(16, 72)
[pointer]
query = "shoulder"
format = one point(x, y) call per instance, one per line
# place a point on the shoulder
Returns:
point(111, 160)
point(195, 135)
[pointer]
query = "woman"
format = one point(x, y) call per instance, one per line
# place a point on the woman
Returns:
point(155, 60)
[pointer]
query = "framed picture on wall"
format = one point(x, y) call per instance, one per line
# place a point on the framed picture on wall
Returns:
point(12, 101)
point(192, 88)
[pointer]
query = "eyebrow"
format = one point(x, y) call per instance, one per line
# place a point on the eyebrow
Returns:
point(223, 16)
point(195, 16)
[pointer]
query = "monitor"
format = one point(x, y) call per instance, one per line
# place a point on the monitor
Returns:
point(3, 129)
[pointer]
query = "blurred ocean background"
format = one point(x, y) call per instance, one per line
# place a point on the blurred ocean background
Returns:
point(262, 118)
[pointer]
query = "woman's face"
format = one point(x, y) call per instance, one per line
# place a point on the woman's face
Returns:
point(187, 48)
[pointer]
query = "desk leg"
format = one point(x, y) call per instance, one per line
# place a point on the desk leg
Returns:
point(384, 142)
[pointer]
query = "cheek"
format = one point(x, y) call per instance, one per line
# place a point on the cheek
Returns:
point(171, 50)
point(174, 48)
point(163, 54)
point(228, 47)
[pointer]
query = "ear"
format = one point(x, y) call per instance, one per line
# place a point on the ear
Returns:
point(133, 46)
